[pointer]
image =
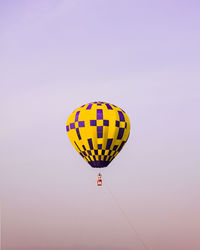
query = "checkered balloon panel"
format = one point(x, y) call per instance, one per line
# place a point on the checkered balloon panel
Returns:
point(98, 131)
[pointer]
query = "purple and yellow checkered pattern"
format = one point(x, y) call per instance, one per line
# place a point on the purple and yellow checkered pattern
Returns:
point(98, 131)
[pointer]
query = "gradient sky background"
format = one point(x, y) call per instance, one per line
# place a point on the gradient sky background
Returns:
point(144, 57)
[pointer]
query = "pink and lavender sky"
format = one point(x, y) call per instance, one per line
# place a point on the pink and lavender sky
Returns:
point(143, 56)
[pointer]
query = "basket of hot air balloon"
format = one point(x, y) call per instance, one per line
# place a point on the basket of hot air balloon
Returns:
point(98, 131)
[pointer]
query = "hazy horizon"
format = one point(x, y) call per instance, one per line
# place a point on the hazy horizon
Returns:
point(64, 248)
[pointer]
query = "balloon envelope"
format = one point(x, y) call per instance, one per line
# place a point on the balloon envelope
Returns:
point(98, 131)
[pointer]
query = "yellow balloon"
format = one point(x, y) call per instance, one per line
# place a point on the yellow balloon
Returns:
point(98, 131)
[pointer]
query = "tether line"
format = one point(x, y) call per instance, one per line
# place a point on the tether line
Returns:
point(126, 217)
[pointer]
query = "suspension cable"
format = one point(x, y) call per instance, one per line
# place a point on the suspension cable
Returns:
point(126, 217)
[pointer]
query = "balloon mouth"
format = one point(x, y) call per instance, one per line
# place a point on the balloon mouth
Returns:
point(99, 164)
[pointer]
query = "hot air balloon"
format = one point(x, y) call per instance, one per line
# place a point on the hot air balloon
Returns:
point(98, 131)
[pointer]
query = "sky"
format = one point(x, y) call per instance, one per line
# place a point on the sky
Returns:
point(142, 56)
